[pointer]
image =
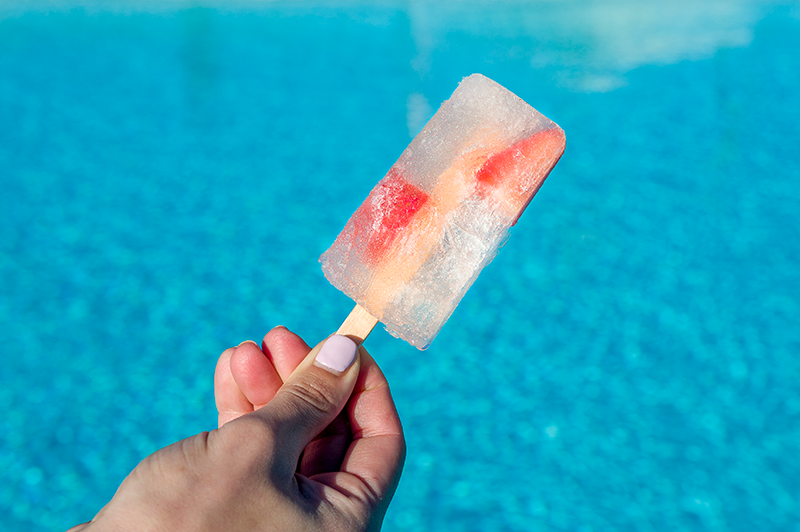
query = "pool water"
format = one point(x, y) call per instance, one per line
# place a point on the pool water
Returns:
point(170, 174)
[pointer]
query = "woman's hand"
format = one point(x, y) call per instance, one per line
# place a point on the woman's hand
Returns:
point(305, 443)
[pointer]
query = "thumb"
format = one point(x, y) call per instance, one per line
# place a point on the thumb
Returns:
point(311, 397)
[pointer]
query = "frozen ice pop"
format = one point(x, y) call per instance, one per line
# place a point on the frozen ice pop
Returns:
point(414, 247)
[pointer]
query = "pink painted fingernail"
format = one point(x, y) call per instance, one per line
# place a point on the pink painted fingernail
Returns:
point(337, 354)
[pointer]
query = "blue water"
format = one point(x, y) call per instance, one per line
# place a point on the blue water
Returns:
point(169, 176)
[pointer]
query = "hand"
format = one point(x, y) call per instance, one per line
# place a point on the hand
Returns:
point(305, 443)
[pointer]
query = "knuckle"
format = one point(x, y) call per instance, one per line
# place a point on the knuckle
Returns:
point(313, 393)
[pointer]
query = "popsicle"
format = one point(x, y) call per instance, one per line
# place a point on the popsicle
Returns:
point(415, 246)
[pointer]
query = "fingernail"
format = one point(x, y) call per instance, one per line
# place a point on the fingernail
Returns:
point(337, 354)
point(252, 342)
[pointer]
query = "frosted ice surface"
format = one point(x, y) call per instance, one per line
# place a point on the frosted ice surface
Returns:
point(467, 245)
point(479, 110)
point(414, 247)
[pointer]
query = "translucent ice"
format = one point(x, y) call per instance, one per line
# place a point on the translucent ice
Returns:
point(417, 243)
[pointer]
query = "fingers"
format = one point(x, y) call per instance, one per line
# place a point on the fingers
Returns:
point(310, 399)
point(305, 414)
point(285, 350)
point(254, 374)
point(231, 402)
point(326, 452)
point(377, 452)
point(247, 378)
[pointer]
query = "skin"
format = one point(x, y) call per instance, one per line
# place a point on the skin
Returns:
point(298, 447)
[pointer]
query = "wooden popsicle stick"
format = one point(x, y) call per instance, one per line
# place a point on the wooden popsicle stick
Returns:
point(358, 324)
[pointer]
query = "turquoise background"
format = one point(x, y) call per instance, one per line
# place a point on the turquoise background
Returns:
point(170, 173)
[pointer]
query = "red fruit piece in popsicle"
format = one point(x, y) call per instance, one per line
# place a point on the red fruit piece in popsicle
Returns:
point(516, 173)
point(385, 214)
